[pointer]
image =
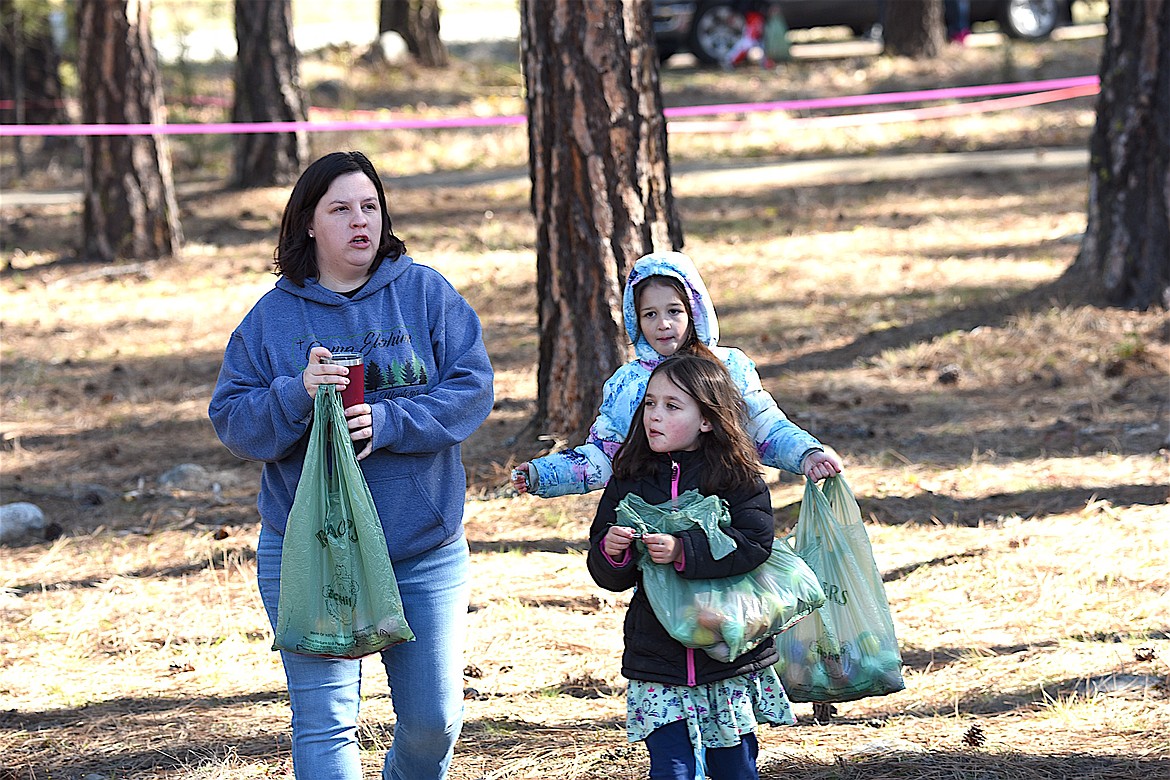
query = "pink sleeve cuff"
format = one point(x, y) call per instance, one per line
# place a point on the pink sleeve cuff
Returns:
point(618, 563)
point(681, 563)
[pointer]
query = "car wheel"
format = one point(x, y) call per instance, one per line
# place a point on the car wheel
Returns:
point(1029, 20)
point(716, 29)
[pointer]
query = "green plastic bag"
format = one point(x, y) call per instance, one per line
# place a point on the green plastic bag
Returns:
point(847, 649)
point(338, 595)
point(728, 616)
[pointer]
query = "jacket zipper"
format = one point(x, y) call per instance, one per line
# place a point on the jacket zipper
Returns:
point(674, 474)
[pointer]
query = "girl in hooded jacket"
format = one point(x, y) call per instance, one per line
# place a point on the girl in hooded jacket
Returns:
point(667, 310)
point(689, 708)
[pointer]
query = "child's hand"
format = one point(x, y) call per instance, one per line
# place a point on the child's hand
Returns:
point(617, 540)
point(821, 465)
point(663, 548)
point(520, 478)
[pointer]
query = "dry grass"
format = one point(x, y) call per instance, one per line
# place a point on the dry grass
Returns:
point(1018, 513)
point(151, 657)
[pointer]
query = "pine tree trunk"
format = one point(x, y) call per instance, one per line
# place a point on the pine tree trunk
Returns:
point(417, 21)
point(600, 188)
point(913, 28)
point(1126, 250)
point(130, 208)
point(268, 89)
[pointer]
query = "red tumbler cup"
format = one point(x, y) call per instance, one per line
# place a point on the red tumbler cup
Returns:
point(355, 391)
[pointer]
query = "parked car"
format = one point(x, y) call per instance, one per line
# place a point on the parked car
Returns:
point(709, 28)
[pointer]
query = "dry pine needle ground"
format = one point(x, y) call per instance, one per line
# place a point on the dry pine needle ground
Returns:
point(1005, 440)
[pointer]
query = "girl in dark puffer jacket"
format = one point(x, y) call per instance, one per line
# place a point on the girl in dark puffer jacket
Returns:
point(688, 707)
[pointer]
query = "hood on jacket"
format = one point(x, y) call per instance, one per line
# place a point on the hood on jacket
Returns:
point(681, 267)
point(388, 270)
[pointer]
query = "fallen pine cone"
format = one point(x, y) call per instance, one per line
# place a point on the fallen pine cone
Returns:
point(1144, 653)
point(975, 736)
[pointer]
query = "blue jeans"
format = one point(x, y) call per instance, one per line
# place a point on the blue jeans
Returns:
point(672, 757)
point(425, 676)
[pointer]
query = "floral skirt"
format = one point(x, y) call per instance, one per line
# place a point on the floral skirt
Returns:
point(717, 713)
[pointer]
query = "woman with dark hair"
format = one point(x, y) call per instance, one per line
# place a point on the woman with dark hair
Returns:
point(296, 252)
point(347, 285)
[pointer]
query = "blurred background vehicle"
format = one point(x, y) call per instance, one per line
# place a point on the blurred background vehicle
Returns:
point(709, 29)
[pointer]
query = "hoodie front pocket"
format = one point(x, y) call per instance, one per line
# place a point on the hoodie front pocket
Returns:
point(408, 513)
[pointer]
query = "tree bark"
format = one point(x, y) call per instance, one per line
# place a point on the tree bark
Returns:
point(268, 89)
point(601, 189)
point(913, 28)
point(1127, 237)
point(417, 21)
point(130, 209)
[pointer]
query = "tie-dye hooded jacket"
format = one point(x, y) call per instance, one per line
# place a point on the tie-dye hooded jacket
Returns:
point(782, 444)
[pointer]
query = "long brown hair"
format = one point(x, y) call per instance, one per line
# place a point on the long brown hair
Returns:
point(730, 460)
point(690, 340)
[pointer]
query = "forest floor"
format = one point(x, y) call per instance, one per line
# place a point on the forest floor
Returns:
point(1007, 441)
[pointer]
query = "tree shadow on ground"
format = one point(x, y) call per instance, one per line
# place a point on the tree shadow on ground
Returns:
point(935, 509)
point(589, 605)
point(35, 720)
point(175, 757)
point(923, 509)
point(933, 658)
point(583, 687)
point(809, 206)
point(554, 544)
point(929, 659)
point(964, 318)
point(237, 231)
point(885, 763)
point(1028, 504)
point(594, 749)
point(943, 560)
point(219, 559)
point(51, 750)
point(1002, 702)
point(478, 726)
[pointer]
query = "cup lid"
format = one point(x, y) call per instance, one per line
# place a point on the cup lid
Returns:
point(346, 359)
